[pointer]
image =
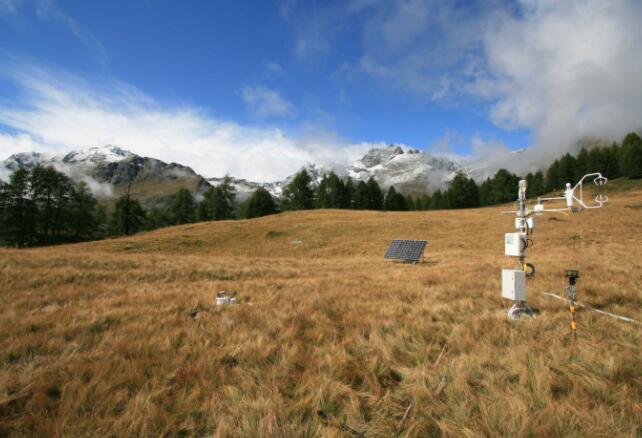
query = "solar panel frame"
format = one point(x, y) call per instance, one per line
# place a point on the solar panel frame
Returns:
point(406, 250)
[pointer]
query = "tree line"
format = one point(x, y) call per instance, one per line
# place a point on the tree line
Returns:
point(43, 206)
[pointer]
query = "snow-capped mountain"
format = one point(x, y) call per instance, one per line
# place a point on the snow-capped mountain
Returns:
point(244, 188)
point(409, 170)
point(88, 158)
point(108, 171)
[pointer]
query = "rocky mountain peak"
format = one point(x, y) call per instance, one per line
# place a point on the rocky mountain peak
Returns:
point(409, 170)
point(108, 171)
point(98, 154)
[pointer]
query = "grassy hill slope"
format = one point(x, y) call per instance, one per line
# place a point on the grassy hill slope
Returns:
point(99, 339)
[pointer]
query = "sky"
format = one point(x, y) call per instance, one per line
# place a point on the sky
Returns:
point(257, 89)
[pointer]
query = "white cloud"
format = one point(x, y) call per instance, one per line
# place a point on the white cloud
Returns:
point(422, 47)
point(59, 112)
point(565, 70)
point(19, 142)
point(262, 102)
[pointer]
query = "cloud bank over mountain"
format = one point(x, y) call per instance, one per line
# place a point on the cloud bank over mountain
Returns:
point(59, 112)
point(566, 70)
point(563, 71)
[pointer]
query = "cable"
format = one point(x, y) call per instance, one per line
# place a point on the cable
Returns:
point(613, 315)
point(532, 271)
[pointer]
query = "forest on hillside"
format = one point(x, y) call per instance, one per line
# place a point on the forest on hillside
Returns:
point(43, 206)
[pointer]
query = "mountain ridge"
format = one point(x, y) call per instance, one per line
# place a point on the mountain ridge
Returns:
point(108, 170)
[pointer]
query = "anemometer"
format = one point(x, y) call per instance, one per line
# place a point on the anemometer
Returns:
point(516, 244)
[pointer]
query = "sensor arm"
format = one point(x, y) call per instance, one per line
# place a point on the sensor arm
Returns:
point(600, 199)
point(576, 194)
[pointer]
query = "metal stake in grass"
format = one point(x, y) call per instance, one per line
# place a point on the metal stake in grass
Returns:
point(571, 295)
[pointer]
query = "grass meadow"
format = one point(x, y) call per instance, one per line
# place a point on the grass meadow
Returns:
point(122, 338)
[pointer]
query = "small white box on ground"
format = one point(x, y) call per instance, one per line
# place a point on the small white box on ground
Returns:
point(514, 284)
point(515, 244)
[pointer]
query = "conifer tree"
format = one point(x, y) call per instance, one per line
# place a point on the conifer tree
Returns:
point(484, 192)
point(502, 187)
point(411, 204)
point(612, 164)
point(183, 208)
point(218, 202)
point(101, 222)
point(44, 206)
point(583, 164)
point(128, 216)
point(322, 196)
point(463, 192)
point(298, 194)
point(348, 194)
point(568, 163)
point(361, 196)
point(554, 178)
point(158, 217)
point(337, 191)
point(222, 207)
point(375, 195)
point(17, 210)
point(631, 156)
point(260, 203)
point(394, 201)
point(422, 202)
point(535, 184)
point(50, 193)
point(83, 218)
point(436, 201)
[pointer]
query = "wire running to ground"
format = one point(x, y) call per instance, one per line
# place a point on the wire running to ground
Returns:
point(603, 312)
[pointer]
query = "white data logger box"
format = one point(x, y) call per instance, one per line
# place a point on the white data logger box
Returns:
point(514, 284)
point(515, 244)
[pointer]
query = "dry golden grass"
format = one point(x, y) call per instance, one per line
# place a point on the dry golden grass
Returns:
point(97, 338)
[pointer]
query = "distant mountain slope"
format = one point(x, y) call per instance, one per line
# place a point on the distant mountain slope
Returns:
point(108, 171)
point(409, 170)
point(244, 188)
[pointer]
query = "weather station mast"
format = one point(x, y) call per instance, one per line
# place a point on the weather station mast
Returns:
point(516, 244)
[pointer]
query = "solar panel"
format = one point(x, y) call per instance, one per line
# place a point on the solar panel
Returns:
point(406, 250)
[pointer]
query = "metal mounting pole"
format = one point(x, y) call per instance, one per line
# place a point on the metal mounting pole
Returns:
point(571, 295)
point(515, 244)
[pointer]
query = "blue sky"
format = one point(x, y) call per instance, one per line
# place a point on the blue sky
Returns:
point(306, 80)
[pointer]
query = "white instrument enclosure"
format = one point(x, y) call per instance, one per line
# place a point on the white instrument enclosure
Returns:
point(514, 284)
point(515, 244)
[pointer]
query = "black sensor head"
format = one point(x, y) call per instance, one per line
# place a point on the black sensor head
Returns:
point(572, 275)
